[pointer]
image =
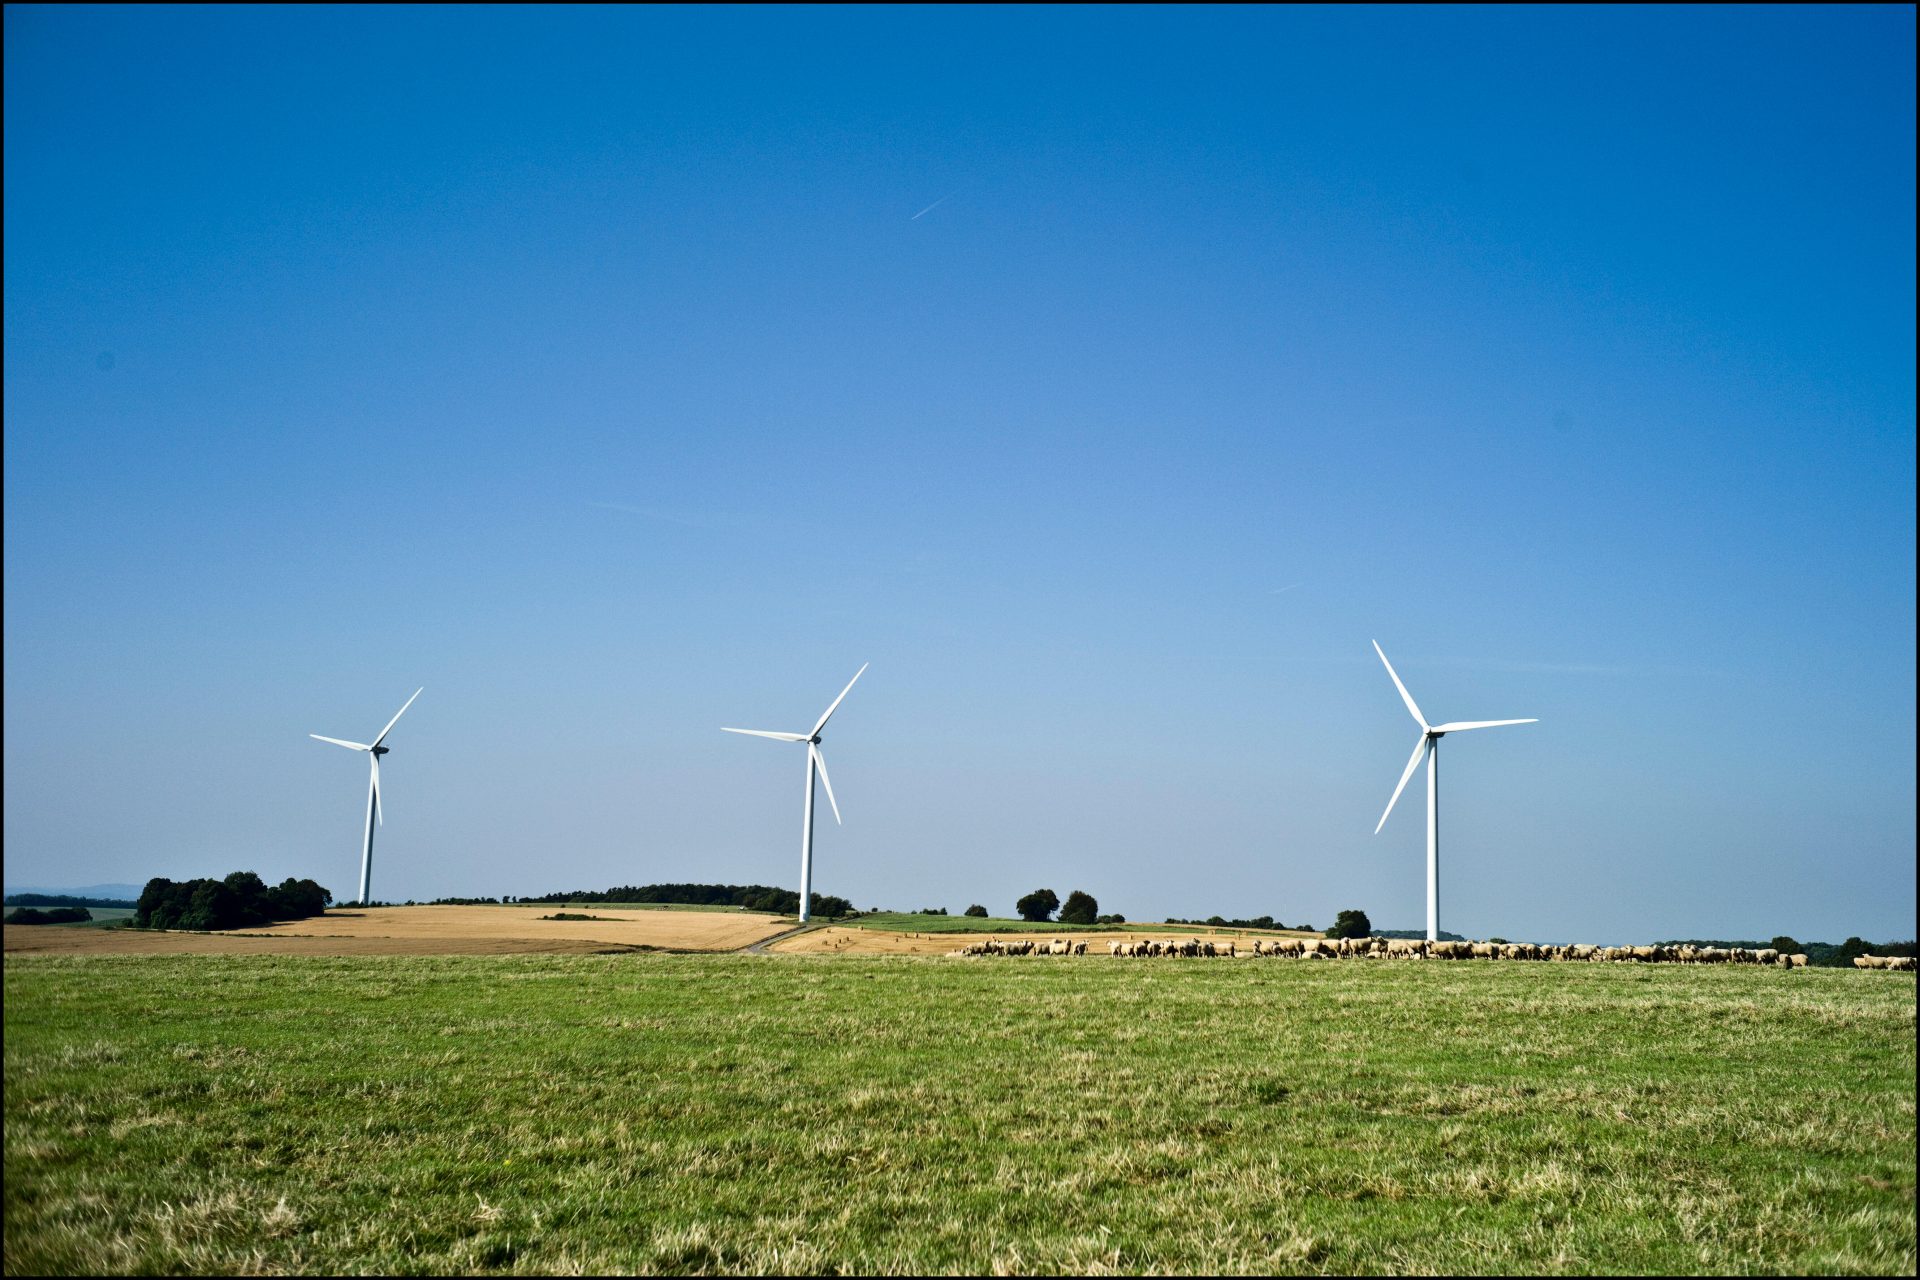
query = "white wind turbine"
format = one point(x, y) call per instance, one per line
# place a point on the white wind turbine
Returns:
point(1429, 745)
point(374, 751)
point(815, 761)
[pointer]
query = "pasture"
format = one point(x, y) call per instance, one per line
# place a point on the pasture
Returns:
point(899, 1115)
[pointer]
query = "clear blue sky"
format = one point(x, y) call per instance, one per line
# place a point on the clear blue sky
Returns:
point(1107, 378)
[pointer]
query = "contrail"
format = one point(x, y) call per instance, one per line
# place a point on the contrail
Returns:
point(650, 513)
point(935, 205)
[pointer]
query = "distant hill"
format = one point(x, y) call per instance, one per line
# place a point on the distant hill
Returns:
point(85, 895)
point(83, 891)
point(1416, 933)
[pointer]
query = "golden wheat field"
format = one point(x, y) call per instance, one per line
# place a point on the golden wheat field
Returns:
point(424, 931)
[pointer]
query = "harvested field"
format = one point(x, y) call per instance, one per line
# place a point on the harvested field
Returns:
point(424, 931)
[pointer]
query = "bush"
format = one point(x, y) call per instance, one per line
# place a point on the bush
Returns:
point(1785, 946)
point(1115, 918)
point(1080, 909)
point(1038, 905)
point(977, 911)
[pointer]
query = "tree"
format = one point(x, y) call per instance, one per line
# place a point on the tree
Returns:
point(210, 907)
point(1080, 909)
point(155, 908)
point(1038, 905)
point(977, 910)
point(249, 905)
point(1785, 946)
point(1351, 924)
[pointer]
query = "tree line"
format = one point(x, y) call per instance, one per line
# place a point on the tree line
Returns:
point(52, 915)
point(63, 900)
point(241, 901)
point(754, 897)
point(1258, 922)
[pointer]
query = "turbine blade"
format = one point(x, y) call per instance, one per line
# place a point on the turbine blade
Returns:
point(342, 742)
point(821, 762)
point(1459, 726)
point(1413, 762)
point(765, 733)
point(1404, 695)
point(378, 816)
point(828, 713)
point(396, 717)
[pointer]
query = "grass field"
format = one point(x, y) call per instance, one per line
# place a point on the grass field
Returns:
point(740, 1113)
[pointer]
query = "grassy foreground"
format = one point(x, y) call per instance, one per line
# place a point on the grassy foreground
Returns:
point(734, 1113)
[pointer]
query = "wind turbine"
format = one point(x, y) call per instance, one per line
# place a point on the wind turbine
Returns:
point(1429, 745)
point(815, 761)
point(374, 751)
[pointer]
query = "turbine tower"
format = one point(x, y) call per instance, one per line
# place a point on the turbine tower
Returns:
point(1429, 746)
point(815, 762)
point(374, 751)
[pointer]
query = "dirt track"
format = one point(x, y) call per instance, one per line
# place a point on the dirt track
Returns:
point(351, 931)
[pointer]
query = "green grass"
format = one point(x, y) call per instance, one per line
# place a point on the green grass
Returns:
point(898, 1115)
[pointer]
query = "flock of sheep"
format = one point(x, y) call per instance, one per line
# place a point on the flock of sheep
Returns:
point(1023, 947)
point(1419, 949)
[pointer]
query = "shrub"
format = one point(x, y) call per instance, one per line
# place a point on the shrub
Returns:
point(977, 910)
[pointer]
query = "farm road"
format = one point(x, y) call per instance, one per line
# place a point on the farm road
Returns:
point(760, 948)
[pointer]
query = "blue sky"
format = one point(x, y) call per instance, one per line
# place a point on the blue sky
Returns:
point(1106, 378)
